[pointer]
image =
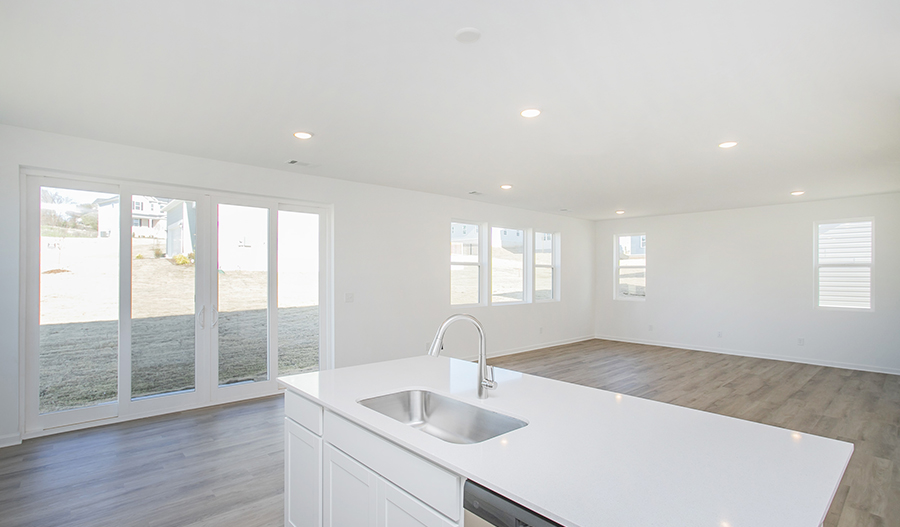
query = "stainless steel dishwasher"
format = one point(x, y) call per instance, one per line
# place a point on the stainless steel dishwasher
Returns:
point(487, 508)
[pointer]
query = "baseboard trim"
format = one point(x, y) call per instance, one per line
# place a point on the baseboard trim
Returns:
point(756, 355)
point(10, 440)
point(543, 345)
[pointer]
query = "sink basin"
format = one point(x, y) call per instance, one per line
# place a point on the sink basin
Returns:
point(444, 418)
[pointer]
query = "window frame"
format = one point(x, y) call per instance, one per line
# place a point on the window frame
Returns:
point(616, 267)
point(817, 266)
point(34, 424)
point(483, 265)
point(554, 267)
point(527, 266)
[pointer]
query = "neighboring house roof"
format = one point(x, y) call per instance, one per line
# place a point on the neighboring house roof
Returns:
point(171, 205)
point(100, 202)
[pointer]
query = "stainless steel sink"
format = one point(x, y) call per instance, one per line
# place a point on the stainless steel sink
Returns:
point(444, 418)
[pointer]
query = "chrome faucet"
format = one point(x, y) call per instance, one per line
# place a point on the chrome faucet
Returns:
point(485, 372)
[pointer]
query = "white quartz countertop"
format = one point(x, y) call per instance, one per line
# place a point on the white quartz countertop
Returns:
point(590, 457)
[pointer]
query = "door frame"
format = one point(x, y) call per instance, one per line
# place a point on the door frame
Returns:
point(206, 392)
point(243, 390)
point(163, 403)
point(31, 361)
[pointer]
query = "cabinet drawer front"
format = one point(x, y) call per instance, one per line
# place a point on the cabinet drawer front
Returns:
point(303, 411)
point(423, 479)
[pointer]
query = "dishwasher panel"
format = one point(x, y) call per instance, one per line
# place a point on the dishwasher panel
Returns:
point(496, 510)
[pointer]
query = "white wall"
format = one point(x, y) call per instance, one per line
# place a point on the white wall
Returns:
point(400, 297)
point(749, 274)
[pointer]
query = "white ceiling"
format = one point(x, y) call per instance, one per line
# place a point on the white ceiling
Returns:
point(636, 94)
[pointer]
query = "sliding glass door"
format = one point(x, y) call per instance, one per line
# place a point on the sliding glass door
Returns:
point(74, 320)
point(299, 290)
point(242, 294)
point(164, 307)
point(142, 300)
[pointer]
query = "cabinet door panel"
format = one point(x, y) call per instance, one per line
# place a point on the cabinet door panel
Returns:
point(430, 483)
point(396, 508)
point(349, 491)
point(303, 477)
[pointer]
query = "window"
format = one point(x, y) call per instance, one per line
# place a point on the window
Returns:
point(137, 205)
point(545, 266)
point(507, 265)
point(465, 264)
point(844, 264)
point(207, 301)
point(631, 267)
point(298, 291)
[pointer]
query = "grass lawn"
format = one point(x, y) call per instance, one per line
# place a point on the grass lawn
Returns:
point(79, 361)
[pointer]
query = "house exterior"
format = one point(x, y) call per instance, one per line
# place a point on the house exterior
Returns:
point(512, 240)
point(181, 227)
point(632, 246)
point(148, 219)
point(463, 239)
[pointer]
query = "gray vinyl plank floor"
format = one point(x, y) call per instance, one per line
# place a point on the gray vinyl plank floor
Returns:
point(223, 466)
point(214, 466)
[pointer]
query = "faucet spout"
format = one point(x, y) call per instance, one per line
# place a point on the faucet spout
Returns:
point(485, 372)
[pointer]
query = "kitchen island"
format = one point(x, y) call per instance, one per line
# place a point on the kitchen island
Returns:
point(587, 457)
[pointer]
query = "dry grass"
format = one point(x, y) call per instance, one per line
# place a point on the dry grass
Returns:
point(79, 334)
point(79, 361)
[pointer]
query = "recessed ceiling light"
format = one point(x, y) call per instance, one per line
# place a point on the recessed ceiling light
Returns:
point(302, 135)
point(506, 187)
point(564, 210)
point(467, 35)
point(620, 212)
point(728, 144)
point(797, 193)
point(531, 112)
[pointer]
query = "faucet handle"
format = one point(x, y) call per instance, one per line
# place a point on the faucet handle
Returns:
point(489, 381)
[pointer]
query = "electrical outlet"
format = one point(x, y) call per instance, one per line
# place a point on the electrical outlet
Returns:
point(719, 334)
point(650, 327)
point(801, 342)
point(541, 330)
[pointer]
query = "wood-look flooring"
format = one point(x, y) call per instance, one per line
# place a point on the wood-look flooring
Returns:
point(854, 406)
point(217, 466)
point(223, 466)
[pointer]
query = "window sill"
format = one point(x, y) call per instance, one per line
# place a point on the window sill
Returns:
point(847, 309)
point(517, 303)
point(631, 298)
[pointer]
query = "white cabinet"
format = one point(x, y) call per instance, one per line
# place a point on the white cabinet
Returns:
point(437, 487)
point(338, 474)
point(396, 508)
point(350, 491)
point(302, 476)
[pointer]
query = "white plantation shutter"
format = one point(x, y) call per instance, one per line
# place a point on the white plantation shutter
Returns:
point(844, 262)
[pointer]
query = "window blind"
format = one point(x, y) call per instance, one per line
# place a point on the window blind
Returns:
point(844, 262)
